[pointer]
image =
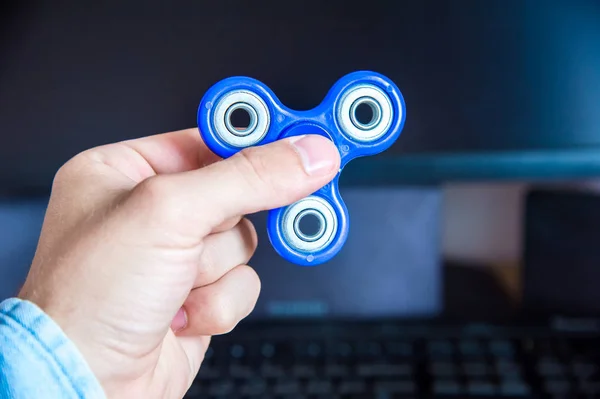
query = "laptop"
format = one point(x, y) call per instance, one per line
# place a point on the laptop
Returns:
point(372, 323)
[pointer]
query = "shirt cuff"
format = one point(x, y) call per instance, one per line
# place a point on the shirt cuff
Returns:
point(37, 359)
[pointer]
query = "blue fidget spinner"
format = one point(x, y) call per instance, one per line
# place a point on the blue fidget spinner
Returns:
point(363, 114)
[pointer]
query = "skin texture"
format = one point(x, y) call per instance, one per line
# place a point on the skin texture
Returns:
point(143, 251)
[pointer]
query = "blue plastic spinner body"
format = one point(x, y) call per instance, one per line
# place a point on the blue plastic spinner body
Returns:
point(324, 120)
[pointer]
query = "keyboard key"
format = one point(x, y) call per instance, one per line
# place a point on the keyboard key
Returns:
point(237, 351)
point(369, 349)
point(267, 350)
point(405, 387)
point(443, 369)
point(383, 370)
point(501, 348)
point(343, 349)
point(314, 349)
point(241, 371)
point(440, 348)
point(272, 371)
point(550, 367)
point(319, 387)
point(287, 388)
point(253, 387)
point(471, 348)
point(277, 350)
point(447, 387)
point(508, 369)
point(352, 387)
point(399, 349)
point(309, 349)
point(336, 370)
point(514, 388)
point(304, 371)
point(481, 389)
point(475, 369)
point(221, 388)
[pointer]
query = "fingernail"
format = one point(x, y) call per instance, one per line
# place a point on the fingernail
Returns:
point(318, 157)
point(179, 321)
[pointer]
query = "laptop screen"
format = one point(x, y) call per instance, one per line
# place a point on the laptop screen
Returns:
point(389, 266)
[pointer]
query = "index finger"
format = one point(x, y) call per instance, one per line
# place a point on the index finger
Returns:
point(165, 153)
point(173, 152)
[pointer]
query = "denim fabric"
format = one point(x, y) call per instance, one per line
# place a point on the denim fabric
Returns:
point(37, 360)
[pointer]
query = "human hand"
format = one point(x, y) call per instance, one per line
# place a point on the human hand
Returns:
point(143, 251)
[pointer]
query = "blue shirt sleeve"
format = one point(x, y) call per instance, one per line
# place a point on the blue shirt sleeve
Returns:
point(37, 360)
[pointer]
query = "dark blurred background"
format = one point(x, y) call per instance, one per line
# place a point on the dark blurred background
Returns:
point(472, 263)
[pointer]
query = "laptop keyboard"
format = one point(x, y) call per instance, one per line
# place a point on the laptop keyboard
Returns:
point(544, 367)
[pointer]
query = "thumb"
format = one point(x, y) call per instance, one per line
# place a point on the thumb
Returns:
point(255, 179)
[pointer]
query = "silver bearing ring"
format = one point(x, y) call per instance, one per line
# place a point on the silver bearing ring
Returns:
point(256, 109)
point(379, 107)
point(310, 206)
point(241, 132)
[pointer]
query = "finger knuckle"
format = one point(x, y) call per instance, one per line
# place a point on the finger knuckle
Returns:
point(69, 169)
point(153, 196)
